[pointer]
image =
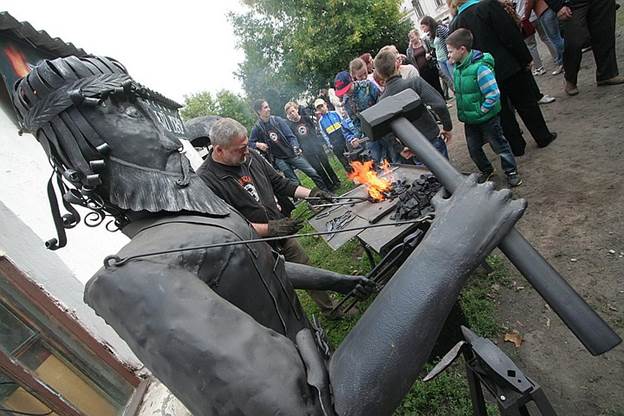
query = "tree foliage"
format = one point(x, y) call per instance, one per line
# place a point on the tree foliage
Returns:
point(296, 47)
point(224, 103)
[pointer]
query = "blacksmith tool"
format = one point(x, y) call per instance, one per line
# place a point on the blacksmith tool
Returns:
point(487, 366)
point(393, 114)
point(381, 273)
point(115, 261)
point(316, 198)
point(339, 223)
point(338, 204)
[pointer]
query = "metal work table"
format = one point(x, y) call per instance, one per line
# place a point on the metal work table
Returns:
point(378, 239)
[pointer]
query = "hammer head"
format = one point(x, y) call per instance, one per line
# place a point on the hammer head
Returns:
point(376, 119)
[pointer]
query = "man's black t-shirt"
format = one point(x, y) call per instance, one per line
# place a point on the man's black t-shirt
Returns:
point(250, 187)
point(309, 140)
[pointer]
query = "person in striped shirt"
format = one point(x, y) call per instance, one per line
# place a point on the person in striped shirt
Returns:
point(478, 106)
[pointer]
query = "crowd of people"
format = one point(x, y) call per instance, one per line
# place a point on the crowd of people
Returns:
point(486, 60)
point(495, 61)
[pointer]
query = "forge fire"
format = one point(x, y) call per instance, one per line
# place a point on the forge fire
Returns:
point(377, 186)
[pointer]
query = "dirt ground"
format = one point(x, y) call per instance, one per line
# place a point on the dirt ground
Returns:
point(575, 217)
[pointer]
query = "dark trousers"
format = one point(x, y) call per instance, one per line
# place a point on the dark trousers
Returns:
point(518, 92)
point(288, 166)
point(293, 252)
point(339, 147)
point(432, 76)
point(489, 132)
point(321, 165)
point(593, 21)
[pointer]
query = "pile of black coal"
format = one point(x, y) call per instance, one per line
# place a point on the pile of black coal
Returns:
point(415, 201)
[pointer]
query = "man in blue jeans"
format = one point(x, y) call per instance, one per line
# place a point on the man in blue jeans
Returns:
point(272, 136)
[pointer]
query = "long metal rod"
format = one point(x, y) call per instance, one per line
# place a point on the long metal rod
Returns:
point(337, 204)
point(582, 320)
point(316, 198)
point(114, 261)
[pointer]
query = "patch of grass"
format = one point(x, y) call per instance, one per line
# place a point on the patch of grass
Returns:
point(477, 298)
point(448, 394)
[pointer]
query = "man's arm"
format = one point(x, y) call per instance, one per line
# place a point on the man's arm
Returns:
point(503, 25)
point(325, 136)
point(488, 87)
point(528, 8)
point(433, 99)
point(312, 278)
point(257, 139)
point(375, 92)
point(349, 131)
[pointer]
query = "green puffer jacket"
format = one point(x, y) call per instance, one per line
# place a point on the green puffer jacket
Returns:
point(467, 92)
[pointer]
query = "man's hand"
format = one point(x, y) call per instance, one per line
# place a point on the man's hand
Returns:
point(284, 226)
point(355, 143)
point(476, 215)
point(322, 195)
point(447, 136)
point(262, 146)
point(565, 13)
point(407, 153)
point(361, 286)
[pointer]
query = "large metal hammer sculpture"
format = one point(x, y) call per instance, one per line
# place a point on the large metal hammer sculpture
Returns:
point(392, 115)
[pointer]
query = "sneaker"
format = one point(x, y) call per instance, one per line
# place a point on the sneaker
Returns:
point(546, 99)
point(513, 179)
point(611, 81)
point(484, 176)
point(539, 71)
point(558, 70)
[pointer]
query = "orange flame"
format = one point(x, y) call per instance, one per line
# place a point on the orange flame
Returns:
point(363, 173)
point(17, 60)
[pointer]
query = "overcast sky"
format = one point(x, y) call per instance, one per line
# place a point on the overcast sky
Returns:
point(174, 47)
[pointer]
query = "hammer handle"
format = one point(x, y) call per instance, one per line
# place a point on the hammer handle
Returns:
point(582, 320)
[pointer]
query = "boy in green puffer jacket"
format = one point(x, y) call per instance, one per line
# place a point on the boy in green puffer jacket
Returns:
point(478, 105)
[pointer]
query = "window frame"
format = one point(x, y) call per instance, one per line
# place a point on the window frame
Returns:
point(31, 299)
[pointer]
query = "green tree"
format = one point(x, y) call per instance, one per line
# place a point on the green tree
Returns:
point(224, 103)
point(198, 104)
point(294, 48)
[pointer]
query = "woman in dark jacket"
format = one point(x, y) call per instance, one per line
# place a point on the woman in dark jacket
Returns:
point(422, 55)
point(494, 31)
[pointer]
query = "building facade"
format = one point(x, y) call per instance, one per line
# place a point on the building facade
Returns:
point(416, 9)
